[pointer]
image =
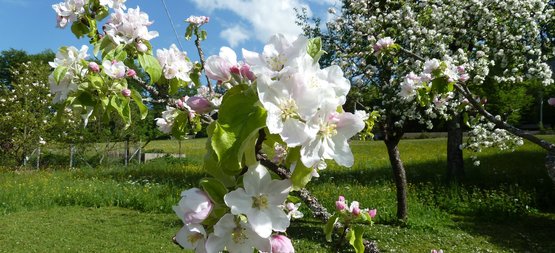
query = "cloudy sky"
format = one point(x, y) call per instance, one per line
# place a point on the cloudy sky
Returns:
point(31, 25)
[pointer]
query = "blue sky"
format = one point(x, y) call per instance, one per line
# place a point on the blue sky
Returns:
point(30, 25)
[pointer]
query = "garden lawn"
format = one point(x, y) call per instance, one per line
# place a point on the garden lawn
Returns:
point(505, 205)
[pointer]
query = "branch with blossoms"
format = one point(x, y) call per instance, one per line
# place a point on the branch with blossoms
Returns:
point(279, 97)
point(437, 83)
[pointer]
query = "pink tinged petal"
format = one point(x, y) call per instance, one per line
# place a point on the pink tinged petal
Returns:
point(281, 244)
point(179, 212)
point(238, 201)
point(229, 55)
point(217, 68)
point(372, 213)
point(256, 179)
point(261, 222)
point(551, 101)
point(293, 132)
point(349, 125)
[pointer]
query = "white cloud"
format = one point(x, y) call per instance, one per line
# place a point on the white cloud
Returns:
point(267, 17)
point(234, 35)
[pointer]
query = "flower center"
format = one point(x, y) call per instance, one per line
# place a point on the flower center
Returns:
point(260, 202)
point(238, 234)
point(328, 130)
point(288, 109)
point(276, 62)
point(194, 237)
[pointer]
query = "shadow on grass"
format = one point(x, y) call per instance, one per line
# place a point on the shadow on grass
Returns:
point(524, 234)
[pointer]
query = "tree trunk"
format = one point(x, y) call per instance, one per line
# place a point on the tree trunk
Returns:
point(455, 162)
point(550, 164)
point(399, 175)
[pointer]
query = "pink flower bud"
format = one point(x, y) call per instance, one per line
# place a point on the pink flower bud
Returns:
point(281, 244)
point(235, 70)
point(194, 206)
point(131, 73)
point(179, 103)
point(340, 205)
point(141, 47)
point(355, 208)
point(200, 104)
point(93, 66)
point(126, 93)
point(460, 69)
point(372, 213)
point(464, 77)
point(290, 206)
point(341, 198)
point(246, 72)
point(551, 101)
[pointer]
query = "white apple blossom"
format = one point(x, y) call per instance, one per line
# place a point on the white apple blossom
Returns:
point(193, 237)
point(260, 199)
point(383, 43)
point(198, 20)
point(165, 123)
point(175, 63)
point(114, 69)
point(69, 11)
point(278, 52)
point(72, 59)
point(114, 4)
point(330, 132)
point(126, 28)
point(236, 236)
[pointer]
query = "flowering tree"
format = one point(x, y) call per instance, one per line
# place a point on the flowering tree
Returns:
point(388, 48)
point(25, 111)
point(279, 97)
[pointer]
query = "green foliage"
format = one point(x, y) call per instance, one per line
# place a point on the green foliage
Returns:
point(151, 66)
point(240, 118)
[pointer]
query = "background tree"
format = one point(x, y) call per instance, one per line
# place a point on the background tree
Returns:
point(482, 37)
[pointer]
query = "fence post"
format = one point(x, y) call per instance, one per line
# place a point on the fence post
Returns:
point(126, 151)
point(71, 153)
point(38, 158)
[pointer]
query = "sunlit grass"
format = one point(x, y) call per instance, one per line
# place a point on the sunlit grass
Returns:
point(504, 205)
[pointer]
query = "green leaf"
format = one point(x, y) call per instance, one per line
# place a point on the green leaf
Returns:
point(203, 35)
point(215, 189)
point(136, 96)
point(314, 48)
point(151, 66)
point(211, 163)
point(79, 29)
point(59, 73)
point(355, 238)
point(328, 228)
point(239, 122)
point(189, 31)
point(180, 124)
point(175, 84)
point(102, 13)
point(301, 176)
point(86, 99)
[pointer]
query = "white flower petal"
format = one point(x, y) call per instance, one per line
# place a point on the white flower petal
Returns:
point(238, 201)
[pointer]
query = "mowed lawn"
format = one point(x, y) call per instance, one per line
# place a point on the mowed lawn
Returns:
point(506, 204)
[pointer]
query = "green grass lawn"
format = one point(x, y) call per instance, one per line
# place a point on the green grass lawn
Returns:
point(506, 204)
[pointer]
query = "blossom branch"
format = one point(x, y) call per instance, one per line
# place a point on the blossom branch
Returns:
point(502, 124)
point(202, 60)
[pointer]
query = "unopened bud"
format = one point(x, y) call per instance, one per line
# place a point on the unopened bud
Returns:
point(141, 47)
point(281, 244)
point(235, 70)
point(131, 73)
point(200, 104)
point(246, 72)
point(372, 213)
point(126, 93)
point(551, 101)
point(93, 66)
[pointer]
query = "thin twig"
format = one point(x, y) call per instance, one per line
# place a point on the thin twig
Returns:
point(201, 56)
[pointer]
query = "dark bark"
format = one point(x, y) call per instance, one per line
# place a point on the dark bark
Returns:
point(455, 162)
point(392, 143)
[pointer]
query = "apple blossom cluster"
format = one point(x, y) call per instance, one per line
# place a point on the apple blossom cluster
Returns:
point(129, 27)
point(225, 68)
point(255, 217)
point(175, 63)
point(71, 60)
point(484, 134)
point(198, 20)
point(352, 211)
point(70, 10)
